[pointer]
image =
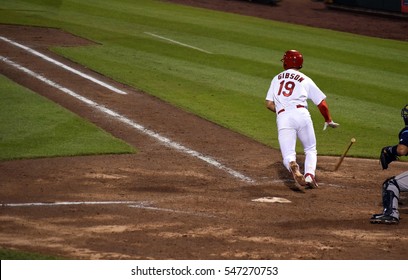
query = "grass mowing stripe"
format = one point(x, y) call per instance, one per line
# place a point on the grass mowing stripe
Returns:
point(177, 42)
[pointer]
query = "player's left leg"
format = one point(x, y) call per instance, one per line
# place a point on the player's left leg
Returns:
point(307, 137)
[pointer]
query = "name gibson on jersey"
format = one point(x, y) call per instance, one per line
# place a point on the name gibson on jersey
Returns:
point(291, 76)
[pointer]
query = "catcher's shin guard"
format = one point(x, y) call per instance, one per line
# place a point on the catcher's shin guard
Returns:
point(390, 197)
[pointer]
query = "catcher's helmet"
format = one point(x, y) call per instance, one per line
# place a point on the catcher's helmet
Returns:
point(292, 59)
point(404, 114)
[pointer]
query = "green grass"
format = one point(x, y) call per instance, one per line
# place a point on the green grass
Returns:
point(363, 77)
point(32, 126)
point(7, 254)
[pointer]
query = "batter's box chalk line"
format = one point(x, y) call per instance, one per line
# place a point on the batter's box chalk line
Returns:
point(274, 199)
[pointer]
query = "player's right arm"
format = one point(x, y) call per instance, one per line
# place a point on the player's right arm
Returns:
point(271, 105)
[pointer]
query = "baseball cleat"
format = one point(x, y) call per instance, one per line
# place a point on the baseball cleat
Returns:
point(384, 219)
point(294, 168)
point(310, 181)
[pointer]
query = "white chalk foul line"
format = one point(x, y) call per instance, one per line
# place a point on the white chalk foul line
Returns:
point(166, 141)
point(145, 205)
point(66, 67)
point(36, 204)
point(177, 42)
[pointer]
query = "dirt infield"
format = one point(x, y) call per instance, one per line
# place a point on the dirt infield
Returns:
point(168, 203)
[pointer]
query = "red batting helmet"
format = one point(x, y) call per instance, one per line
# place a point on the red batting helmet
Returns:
point(292, 59)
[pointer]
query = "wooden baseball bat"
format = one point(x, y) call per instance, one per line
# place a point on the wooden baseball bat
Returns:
point(344, 154)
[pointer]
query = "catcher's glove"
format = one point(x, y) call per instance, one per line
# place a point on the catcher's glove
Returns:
point(386, 157)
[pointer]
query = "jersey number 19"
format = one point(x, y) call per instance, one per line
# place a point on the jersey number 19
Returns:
point(286, 88)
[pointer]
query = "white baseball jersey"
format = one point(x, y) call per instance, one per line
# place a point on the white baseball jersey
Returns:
point(292, 88)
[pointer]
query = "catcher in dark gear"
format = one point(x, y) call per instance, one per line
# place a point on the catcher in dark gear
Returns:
point(391, 153)
point(392, 187)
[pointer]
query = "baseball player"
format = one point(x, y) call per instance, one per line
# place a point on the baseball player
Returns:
point(287, 97)
point(391, 153)
point(392, 187)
